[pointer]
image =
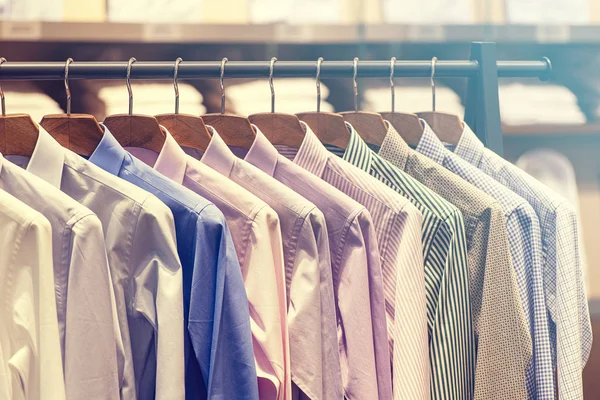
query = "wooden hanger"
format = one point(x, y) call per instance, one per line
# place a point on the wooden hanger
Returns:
point(279, 128)
point(235, 130)
point(330, 128)
point(18, 132)
point(448, 127)
point(369, 125)
point(187, 130)
point(135, 130)
point(408, 125)
point(77, 132)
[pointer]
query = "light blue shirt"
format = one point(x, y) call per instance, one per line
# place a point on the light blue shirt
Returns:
point(215, 302)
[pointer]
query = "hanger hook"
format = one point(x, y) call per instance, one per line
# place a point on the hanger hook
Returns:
point(67, 63)
point(271, 68)
point(221, 81)
point(128, 83)
point(319, 62)
point(355, 67)
point(2, 61)
point(433, 62)
point(392, 88)
point(175, 85)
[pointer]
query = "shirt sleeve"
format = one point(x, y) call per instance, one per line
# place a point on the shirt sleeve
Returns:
point(36, 361)
point(219, 321)
point(498, 317)
point(315, 360)
point(409, 329)
point(265, 286)
point(158, 288)
point(452, 346)
point(569, 305)
point(358, 252)
point(90, 370)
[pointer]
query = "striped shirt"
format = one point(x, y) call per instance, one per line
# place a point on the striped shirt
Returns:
point(570, 330)
point(504, 346)
point(354, 252)
point(451, 340)
point(524, 238)
point(398, 226)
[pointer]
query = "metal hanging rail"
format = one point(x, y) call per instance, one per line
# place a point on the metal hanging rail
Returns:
point(260, 69)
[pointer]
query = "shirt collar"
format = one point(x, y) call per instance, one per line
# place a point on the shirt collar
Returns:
point(172, 160)
point(47, 159)
point(430, 145)
point(262, 153)
point(469, 147)
point(358, 152)
point(312, 155)
point(218, 156)
point(109, 155)
point(394, 147)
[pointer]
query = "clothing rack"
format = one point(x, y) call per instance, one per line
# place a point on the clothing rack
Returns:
point(482, 111)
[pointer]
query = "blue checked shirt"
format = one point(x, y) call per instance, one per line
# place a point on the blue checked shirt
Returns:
point(570, 329)
point(525, 243)
point(215, 303)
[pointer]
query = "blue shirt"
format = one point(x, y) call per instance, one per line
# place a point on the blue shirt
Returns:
point(524, 238)
point(215, 302)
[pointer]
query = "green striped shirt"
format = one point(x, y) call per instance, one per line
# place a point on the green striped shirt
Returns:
point(451, 339)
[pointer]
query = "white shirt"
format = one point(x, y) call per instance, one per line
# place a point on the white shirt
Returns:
point(83, 287)
point(140, 238)
point(30, 359)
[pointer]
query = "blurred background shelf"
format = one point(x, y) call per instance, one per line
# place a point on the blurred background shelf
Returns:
point(115, 32)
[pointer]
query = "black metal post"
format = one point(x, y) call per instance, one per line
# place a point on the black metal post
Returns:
point(482, 110)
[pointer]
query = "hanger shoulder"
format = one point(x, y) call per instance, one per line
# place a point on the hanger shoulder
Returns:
point(448, 127)
point(407, 125)
point(18, 135)
point(369, 125)
point(280, 128)
point(235, 130)
point(135, 130)
point(79, 133)
point(330, 128)
point(187, 130)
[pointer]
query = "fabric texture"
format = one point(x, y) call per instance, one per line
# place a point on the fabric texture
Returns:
point(570, 328)
point(194, 218)
point(314, 357)
point(353, 249)
point(498, 318)
point(398, 228)
point(451, 340)
point(81, 280)
point(142, 280)
point(30, 354)
point(525, 244)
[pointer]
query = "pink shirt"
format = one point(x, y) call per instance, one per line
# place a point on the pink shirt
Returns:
point(256, 234)
point(354, 258)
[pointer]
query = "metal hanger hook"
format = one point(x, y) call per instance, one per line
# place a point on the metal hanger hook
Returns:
point(271, 68)
point(433, 62)
point(128, 83)
point(67, 63)
point(392, 88)
point(355, 66)
point(319, 62)
point(2, 61)
point(221, 81)
point(175, 85)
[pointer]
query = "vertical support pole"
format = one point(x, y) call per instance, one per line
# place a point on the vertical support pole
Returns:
point(482, 111)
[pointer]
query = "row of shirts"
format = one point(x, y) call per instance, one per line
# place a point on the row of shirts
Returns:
point(438, 272)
